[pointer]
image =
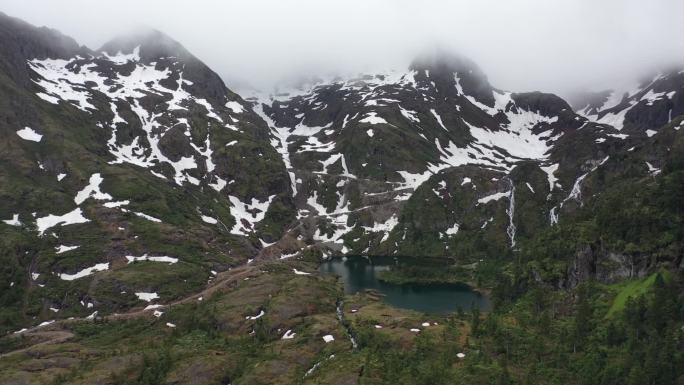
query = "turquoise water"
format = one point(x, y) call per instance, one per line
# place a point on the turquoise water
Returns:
point(360, 273)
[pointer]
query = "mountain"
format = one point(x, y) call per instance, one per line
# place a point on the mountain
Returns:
point(641, 110)
point(430, 161)
point(139, 192)
point(22, 41)
point(135, 151)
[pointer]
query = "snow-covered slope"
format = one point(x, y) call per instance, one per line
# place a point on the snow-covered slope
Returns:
point(134, 152)
point(642, 109)
point(358, 150)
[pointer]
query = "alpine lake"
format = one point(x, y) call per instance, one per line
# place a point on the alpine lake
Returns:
point(361, 273)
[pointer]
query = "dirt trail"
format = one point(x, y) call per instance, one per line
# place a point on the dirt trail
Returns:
point(52, 337)
point(54, 334)
point(222, 279)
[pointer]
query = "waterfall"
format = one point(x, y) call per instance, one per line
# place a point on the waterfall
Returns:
point(316, 365)
point(511, 210)
point(340, 317)
point(553, 215)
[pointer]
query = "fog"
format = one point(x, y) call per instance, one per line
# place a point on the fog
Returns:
point(549, 45)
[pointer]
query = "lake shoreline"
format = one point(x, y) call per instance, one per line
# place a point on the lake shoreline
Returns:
point(397, 278)
point(408, 283)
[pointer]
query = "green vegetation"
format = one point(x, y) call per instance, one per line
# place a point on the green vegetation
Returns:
point(480, 274)
point(423, 274)
point(596, 299)
point(562, 338)
point(563, 312)
point(630, 290)
point(533, 335)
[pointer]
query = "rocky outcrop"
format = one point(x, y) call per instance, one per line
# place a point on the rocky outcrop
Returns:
point(596, 264)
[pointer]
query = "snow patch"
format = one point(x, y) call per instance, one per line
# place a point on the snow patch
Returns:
point(248, 214)
point(147, 297)
point(209, 220)
point(92, 190)
point(116, 204)
point(385, 227)
point(493, 197)
point(652, 170)
point(328, 338)
point(28, 133)
point(14, 221)
point(438, 118)
point(254, 317)
point(63, 249)
point(372, 118)
point(145, 257)
point(85, 272)
point(550, 173)
point(453, 230)
point(288, 335)
point(235, 107)
point(73, 217)
point(148, 217)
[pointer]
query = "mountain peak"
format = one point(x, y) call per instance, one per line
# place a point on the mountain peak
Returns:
point(451, 67)
point(36, 42)
point(22, 41)
point(153, 44)
point(441, 61)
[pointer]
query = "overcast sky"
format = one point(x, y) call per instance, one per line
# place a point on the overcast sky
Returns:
point(523, 45)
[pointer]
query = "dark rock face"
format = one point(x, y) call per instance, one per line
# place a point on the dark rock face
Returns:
point(443, 68)
point(590, 102)
point(545, 104)
point(653, 105)
point(22, 41)
point(604, 266)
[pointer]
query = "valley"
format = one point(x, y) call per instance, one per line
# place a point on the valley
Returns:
point(412, 226)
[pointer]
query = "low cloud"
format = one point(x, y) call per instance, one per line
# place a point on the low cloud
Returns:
point(555, 46)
